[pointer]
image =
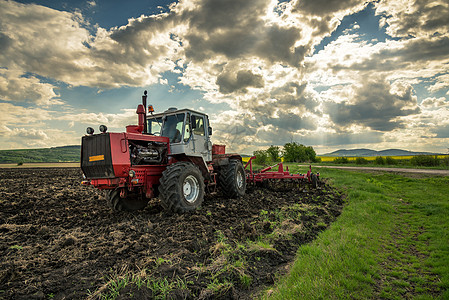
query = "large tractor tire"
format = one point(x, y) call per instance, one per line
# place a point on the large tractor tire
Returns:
point(232, 179)
point(181, 187)
point(132, 202)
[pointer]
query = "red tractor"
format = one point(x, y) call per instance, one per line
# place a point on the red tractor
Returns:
point(167, 155)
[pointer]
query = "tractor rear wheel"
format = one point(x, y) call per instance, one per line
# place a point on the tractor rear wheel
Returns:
point(181, 187)
point(132, 202)
point(232, 179)
point(314, 181)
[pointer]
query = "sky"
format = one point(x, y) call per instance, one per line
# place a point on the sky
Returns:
point(331, 74)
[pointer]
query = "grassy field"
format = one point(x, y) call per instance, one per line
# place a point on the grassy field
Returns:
point(54, 155)
point(391, 242)
point(431, 161)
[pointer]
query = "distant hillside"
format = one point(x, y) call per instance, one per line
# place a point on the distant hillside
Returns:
point(369, 152)
point(56, 154)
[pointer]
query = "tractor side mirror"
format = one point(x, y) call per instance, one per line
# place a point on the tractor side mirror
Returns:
point(210, 130)
point(193, 122)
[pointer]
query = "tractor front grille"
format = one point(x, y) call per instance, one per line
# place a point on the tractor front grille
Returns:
point(96, 160)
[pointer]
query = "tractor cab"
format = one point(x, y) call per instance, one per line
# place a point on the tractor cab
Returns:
point(189, 131)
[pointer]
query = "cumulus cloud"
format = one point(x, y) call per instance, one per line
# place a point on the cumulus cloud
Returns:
point(230, 82)
point(325, 7)
point(15, 114)
point(441, 83)
point(57, 44)
point(257, 56)
point(435, 102)
point(117, 121)
point(375, 104)
point(25, 133)
point(24, 137)
point(17, 87)
point(414, 18)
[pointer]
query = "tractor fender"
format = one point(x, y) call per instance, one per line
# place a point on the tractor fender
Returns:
point(223, 159)
point(196, 160)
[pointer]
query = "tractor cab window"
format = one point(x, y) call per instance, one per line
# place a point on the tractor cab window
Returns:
point(172, 127)
point(198, 125)
point(154, 126)
point(187, 129)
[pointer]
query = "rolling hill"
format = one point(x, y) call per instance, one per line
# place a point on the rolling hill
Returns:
point(369, 152)
point(55, 154)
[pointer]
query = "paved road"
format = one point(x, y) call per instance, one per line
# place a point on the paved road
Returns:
point(397, 170)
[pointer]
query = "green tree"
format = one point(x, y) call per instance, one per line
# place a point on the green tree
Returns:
point(261, 157)
point(274, 153)
point(361, 161)
point(341, 160)
point(390, 160)
point(379, 160)
point(425, 160)
point(294, 152)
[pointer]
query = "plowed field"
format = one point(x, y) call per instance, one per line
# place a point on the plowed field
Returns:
point(59, 240)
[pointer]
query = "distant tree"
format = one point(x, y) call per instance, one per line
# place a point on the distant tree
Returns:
point(361, 161)
point(340, 160)
point(261, 157)
point(274, 153)
point(379, 160)
point(390, 160)
point(294, 152)
point(425, 160)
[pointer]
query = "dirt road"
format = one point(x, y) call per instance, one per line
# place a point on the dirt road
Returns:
point(395, 170)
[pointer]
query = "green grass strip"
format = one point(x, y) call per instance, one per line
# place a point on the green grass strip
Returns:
point(391, 242)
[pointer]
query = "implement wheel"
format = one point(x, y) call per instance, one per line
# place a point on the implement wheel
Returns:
point(314, 181)
point(132, 202)
point(181, 187)
point(232, 179)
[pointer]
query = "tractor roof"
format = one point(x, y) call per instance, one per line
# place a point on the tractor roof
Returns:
point(173, 111)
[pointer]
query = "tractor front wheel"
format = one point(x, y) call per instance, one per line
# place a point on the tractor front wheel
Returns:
point(132, 202)
point(181, 187)
point(232, 179)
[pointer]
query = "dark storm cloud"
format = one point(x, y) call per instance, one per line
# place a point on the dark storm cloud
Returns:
point(133, 42)
point(230, 82)
point(419, 50)
point(426, 17)
point(5, 41)
point(293, 95)
point(235, 28)
point(374, 106)
point(290, 100)
point(247, 128)
point(290, 122)
point(325, 7)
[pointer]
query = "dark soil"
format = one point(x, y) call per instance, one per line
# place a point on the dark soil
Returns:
point(59, 239)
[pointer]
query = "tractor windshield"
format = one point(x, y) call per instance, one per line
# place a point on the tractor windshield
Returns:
point(172, 127)
point(154, 126)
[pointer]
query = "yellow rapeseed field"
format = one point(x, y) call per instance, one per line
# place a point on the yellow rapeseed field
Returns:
point(331, 158)
point(370, 158)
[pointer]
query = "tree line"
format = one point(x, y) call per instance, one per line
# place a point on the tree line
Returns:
point(290, 152)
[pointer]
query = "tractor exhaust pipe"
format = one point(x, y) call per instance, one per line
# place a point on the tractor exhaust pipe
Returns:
point(144, 102)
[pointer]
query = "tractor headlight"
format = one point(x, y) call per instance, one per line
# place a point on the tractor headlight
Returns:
point(131, 173)
point(90, 130)
point(103, 128)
